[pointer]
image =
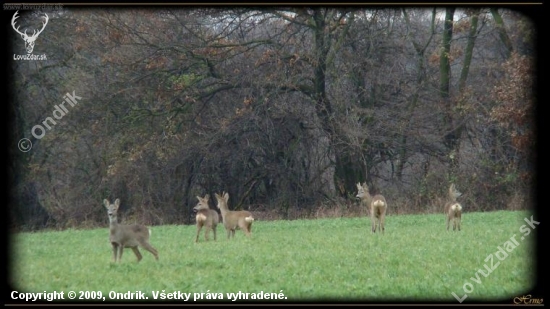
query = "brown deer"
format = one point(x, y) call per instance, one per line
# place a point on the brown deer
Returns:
point(453, 209)
point(206, 217)
point(234, 219)
point(376, 204)
point(127, 236)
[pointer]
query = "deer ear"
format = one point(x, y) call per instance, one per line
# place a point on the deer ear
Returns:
point(117, 203)
point(106, 203)
point(207, 197)
point(226, 196)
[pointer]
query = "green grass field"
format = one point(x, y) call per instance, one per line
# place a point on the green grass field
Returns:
point(308, 260)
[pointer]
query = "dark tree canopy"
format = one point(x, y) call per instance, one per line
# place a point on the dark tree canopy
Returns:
point(285, 108)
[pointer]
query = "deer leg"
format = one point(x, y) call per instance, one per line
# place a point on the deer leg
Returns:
point(378, 220)
point(148, 247)
point(214, 230)
point(448, 221)
point(115, 251)
point(120, 251)
point(137, 253)
point(199, 227)
point(245, 227)
point(382, 217)
point(454, 223)
point(206, 233)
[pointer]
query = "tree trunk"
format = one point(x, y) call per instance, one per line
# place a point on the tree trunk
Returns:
point(444, 64)
point(452, 138)
point(502, 33)
point(323, 106)
point(411, 106)
point(469, 50)
point(25, 209)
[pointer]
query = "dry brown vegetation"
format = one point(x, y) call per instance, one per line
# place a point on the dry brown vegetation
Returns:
point(284, 108)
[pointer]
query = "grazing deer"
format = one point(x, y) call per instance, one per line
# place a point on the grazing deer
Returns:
point(453, 209)
point(127, 236)
point(206, 217)
point(376, 204)
point(234, 219)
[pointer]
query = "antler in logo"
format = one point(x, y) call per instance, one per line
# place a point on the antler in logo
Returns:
point(29, 40)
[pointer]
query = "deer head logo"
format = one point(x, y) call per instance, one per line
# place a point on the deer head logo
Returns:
point(29, 40)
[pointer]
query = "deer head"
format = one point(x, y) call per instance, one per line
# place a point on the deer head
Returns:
point(454, 193)
point(29, 40)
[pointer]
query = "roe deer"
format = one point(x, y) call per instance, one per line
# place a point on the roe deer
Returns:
point(453, 209)
point(376, 204)
point(206, 217)
point(234, 219)
point(127, 236)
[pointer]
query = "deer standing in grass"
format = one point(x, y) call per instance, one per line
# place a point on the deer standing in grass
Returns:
point(206, 217)
point(376, 204)
point(234, 219)
point(127, 236)
point(453, 209)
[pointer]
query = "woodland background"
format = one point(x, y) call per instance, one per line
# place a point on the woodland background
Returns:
point(285, 108)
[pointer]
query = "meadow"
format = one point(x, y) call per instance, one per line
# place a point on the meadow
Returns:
point(417, 259)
